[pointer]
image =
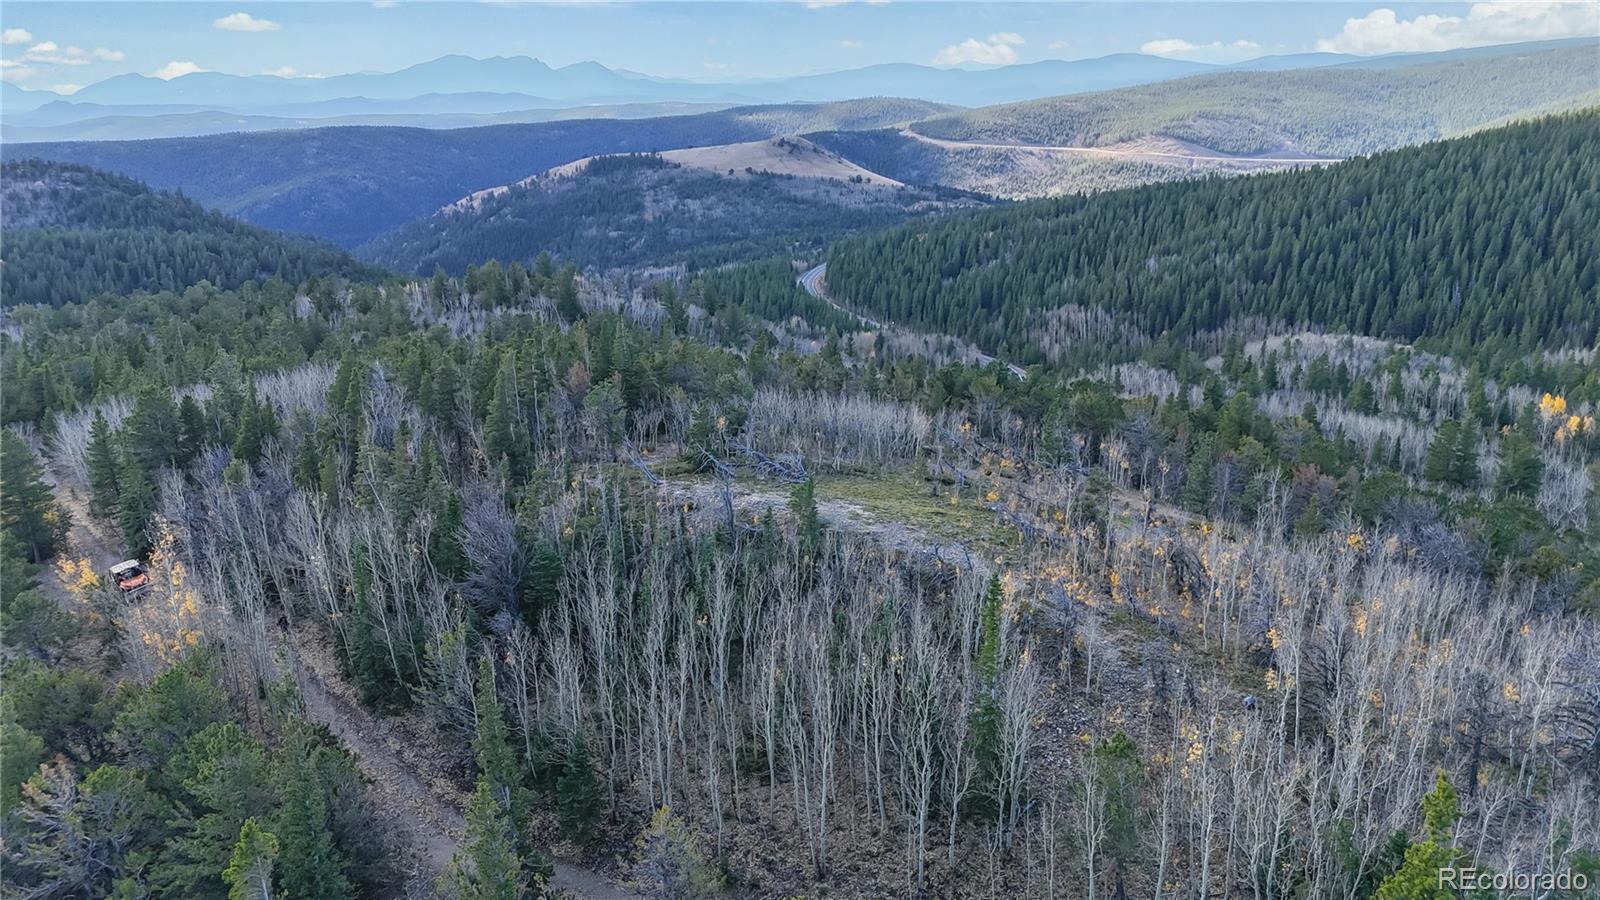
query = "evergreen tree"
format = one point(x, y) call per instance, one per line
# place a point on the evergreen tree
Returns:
point(445, 550)
point(24, 751)
point(136, 507)
point(1200, 480)
point(1234, 421)
point(1121, 773)
point(677, 313)
point(1418, 875)
point(488, 867)
point(438, 285)
point(505, 433)
point(986, 707)
point(1442, 452)
point(808, 523)
point(28, 510)
point(152, 431)
point(1362, 399)
point(1309, 523)
point(249, 871)
point(1521, 467)
point(346, 395)
point(257, 423)
point(541, 582)
point(497, 759)
point(192, 431)
point(313, 868)
point(101, 458)
point(760, 357)
point(371, 664)
point(308, 464)
point(499, 770)
point(1464, 459)
point(578, 795)
point(567, 305)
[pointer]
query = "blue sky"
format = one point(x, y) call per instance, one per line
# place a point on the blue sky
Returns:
point(56, 45)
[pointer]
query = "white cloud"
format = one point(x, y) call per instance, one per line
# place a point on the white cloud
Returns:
point(384, 4)
point(1215, 49)
point(1492, 22)
point(282, 72)
point(176, 69)
point(51, 54)
point(1167, 47)
point(1060, 45)
point(716, 66)
point(851, 45)
point(824, 4)
point(998, 50)
point(15, 72)
point(15, 36)
point(243, 21)
point(66, 88)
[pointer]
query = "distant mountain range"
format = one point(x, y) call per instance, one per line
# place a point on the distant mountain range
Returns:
point(199, 121)
point(460, 91)
point(349, 185)
point(521, 82)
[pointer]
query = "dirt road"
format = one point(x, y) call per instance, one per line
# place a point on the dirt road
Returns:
point(814, 281)
point(1154, 150)
point(421, 812)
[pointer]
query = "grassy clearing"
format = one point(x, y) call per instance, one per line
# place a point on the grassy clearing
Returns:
point(906, 498)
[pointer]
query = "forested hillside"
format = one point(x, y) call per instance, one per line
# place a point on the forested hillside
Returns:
point(71, 232)
point(1481, 242)
point(1336, 111)
point(350, 184)
point(663, 586)
point(630, 210)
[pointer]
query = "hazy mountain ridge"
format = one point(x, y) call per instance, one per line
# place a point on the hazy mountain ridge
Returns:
point(460, 91)
point(1338, 111)
point(72, 232)
point(592, 83)
point(206, 122)
point(351, 184)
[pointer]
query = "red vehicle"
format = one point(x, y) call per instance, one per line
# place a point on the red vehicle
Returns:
point(130, 576)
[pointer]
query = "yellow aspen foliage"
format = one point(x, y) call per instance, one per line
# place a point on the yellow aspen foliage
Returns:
point(1552, 406)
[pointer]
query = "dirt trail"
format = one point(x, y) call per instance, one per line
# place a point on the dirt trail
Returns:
point(1148, 149)
point(420, 807)
point(420, 810)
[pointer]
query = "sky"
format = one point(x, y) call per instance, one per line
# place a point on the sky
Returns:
point(62, 45)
